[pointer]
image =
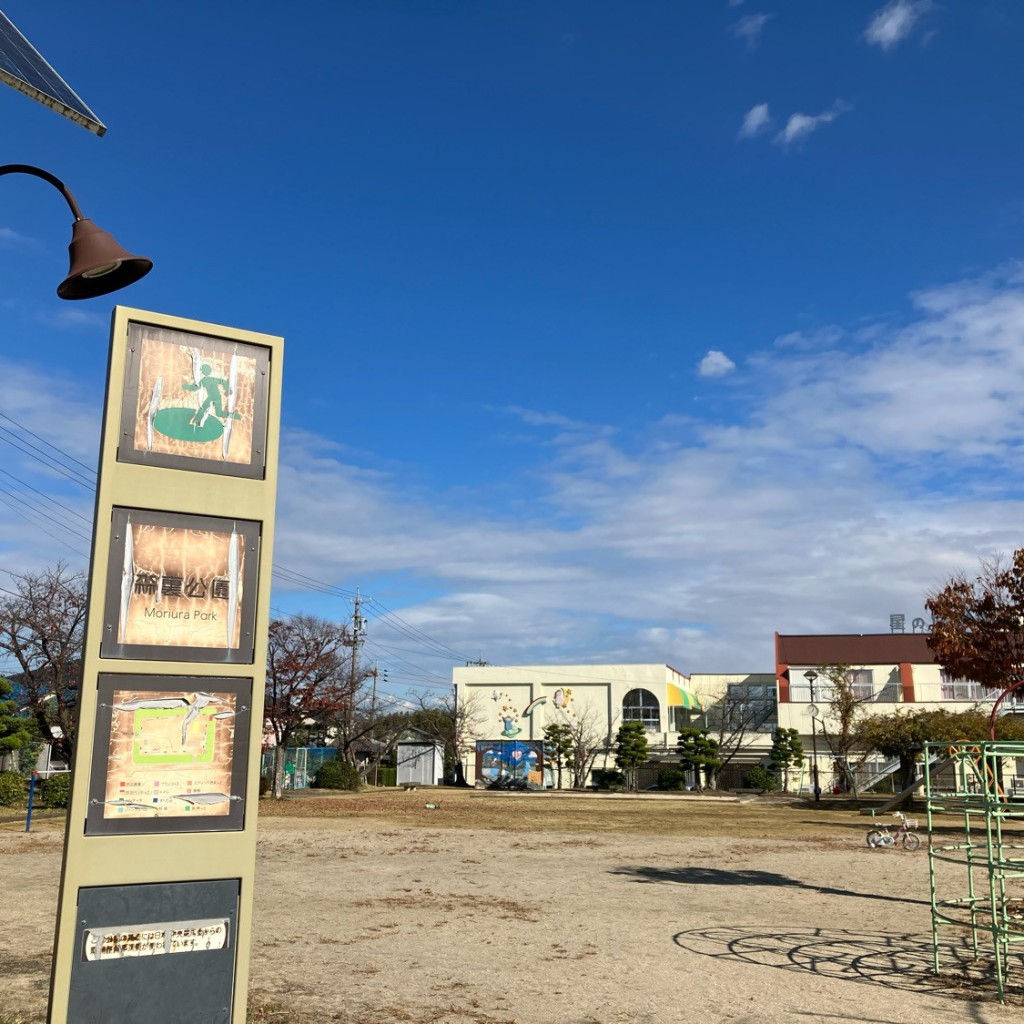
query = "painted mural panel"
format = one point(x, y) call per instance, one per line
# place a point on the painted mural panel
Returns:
point(194, 402)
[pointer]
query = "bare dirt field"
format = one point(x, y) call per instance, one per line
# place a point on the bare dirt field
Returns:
point(543, 909)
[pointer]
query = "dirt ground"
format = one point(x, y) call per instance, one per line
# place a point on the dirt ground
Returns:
point(539, 909)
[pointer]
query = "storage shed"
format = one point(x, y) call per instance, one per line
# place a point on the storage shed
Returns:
point(420, 759)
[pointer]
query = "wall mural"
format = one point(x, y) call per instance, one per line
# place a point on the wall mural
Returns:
point(516, 759)
point(509, 715)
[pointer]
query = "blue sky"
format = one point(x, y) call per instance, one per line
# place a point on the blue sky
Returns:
point(614, 331)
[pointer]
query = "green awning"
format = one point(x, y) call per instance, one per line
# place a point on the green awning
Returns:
point(680, 698)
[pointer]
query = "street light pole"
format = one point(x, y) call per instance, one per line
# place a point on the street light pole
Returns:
point(98, 264)
point(810, 675)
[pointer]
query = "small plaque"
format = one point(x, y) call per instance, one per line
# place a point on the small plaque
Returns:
point(155, 939)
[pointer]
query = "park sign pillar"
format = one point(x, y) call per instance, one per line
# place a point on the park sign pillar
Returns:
point(155, 909)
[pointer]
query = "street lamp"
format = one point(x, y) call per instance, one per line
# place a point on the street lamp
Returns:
point(98, 264)
point(810, 675)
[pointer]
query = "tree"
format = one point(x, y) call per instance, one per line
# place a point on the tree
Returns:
point(307, 677)
point(903, 734)
point(844, 708)
point(15, 731)
point(897, 735)
point(589, 738)
point(558, 747)
point(42, 626)
point(787, 752)
point(631, 750)
point(698, 752)
point(978, 624)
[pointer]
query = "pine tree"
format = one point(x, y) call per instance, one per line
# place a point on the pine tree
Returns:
point(698, 753)
point(787, 752)
point(631, 750)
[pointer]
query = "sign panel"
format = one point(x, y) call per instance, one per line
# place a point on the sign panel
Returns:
point(169, 754)
point(161, 953)
point(180, 587)
point(194, 402)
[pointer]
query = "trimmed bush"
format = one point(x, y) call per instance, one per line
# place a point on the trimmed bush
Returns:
point(671, 778)
point(264, 785)
point(608, 778)
point(336, 774)
point(13, 790)
point(56, 790)
point(760, 778)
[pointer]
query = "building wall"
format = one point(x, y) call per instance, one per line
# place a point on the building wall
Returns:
point(516, 702)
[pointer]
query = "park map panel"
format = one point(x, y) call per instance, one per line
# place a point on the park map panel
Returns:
point(170, 754)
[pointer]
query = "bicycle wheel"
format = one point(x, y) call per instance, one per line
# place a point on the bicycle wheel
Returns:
point(874, 837)
point(911, 841)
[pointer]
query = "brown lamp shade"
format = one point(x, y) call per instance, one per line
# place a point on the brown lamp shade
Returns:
point(98, 264)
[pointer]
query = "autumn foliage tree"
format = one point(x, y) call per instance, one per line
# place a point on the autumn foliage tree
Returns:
point(42, 627)
point(308, 677)
point(978, 624)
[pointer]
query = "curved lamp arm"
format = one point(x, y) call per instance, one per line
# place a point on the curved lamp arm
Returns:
point(98, 264)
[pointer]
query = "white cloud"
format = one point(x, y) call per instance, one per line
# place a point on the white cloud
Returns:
point(10, 239)
point(750, 27)
point(756, 120)
point(894, 22)
point(716, 364)
point(854, 469)
point(73, 319)
point(801, 125)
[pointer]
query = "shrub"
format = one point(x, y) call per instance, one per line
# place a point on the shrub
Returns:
point(671, 778)
point(56, 790)
point(12, 789)
point(264, 785)
point(760, 778)
point(336, 774)
point(608, 778)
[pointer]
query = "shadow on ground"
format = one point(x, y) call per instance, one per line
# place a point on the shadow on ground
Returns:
point(715, 876)
point(896, 961)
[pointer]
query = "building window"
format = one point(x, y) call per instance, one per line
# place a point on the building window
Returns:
point(682, 718)
point(861, 680)
point(642, 706)
point(750, 706)
point(960, 689)
point(862, 683)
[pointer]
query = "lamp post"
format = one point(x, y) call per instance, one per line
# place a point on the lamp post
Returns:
point(810, 675)
point(98, 264)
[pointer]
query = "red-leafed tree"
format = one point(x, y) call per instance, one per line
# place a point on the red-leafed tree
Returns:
point(309, 677)
point(42, 627)
point(978, 624)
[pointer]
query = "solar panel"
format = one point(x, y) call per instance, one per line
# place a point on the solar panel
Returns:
point(23, 68)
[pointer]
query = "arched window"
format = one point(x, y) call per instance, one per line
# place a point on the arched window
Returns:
point(642, 706)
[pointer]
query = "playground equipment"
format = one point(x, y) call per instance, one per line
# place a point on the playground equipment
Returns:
point(974, 863)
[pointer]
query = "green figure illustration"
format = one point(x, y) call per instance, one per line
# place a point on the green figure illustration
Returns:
point(211, 387)
point(211, 420)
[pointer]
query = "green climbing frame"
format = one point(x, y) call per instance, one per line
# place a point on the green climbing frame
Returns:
point(976, 852)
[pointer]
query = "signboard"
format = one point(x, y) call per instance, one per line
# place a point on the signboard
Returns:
point(194, 402)
point(180, 587)
point(154, 915)
point(169, 754)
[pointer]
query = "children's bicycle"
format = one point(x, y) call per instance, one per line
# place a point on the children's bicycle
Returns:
point(904, 835)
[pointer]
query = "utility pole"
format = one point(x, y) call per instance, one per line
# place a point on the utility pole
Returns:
point(358, 636)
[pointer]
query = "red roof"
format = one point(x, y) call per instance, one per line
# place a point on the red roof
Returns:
point(854, 649)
